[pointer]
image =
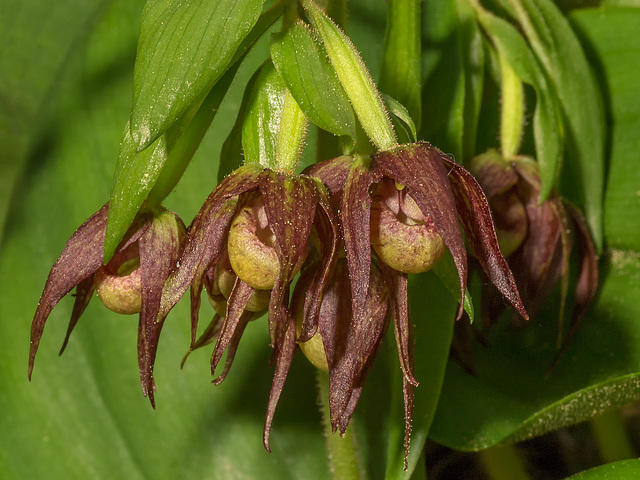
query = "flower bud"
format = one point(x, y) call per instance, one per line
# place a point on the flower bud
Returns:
point(401, 235)
point(118, 283)
point(219, 285)
point(251, 248)
point(504, 190)
point(339, 335)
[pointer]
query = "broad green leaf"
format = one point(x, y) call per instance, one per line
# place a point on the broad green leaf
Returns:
point(624, 470)
point(401, 73)
point(303, 64)
point(184, 49)
point(513, 396)
point(143, 174)
point(610, 35)
point(453, 60)
point(563, 58)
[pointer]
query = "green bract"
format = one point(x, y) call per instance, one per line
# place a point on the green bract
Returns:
point(355, 79)
point(305, 68)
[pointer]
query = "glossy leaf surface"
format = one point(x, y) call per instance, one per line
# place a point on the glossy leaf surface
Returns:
point(612, 471)
point(184, 48)
point(303, 64)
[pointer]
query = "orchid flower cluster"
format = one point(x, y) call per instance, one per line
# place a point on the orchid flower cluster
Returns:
point(349, 229)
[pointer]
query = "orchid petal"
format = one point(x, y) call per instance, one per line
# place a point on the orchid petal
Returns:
point(159, 249)
point(334, 174)
point(80, 258)
point(327, 227)
point(290, 203)
point(356, 218)
point(587, 283)
point(397, 283)
point(209, 335)
point(284, 350)
point(236, 319)
point(476, 219)
point(206, 239)
point(84, 292)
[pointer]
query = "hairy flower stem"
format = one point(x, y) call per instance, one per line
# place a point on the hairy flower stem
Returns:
point(504, 463)
point(611, 436)
point(293, 129)
point(355, 79)
point(341, 450)
point(512, 111)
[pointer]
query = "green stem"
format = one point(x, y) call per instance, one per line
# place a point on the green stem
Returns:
point(293, 129)
point(342, 454)
point(355, 79)
point(611, 437)
point(512, 111)
point(401, 76)
point(504, 463)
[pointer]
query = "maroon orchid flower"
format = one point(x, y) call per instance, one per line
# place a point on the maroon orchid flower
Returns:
point(537, 238)
point(131, 282)
point(246, 244)
point(345, 345)
point(408, 204)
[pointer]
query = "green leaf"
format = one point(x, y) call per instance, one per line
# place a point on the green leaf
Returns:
point(303, 64)
point(514, 396)
point(563, 58)
point(143, 174)
point(453, 60)
point(184, 49)
point(623, 470)
point(400, 112)
point(355, 79)
point(610, 35)
point(401, 75)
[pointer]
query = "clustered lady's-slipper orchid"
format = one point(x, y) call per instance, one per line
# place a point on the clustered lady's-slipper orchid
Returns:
point(131, 282)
